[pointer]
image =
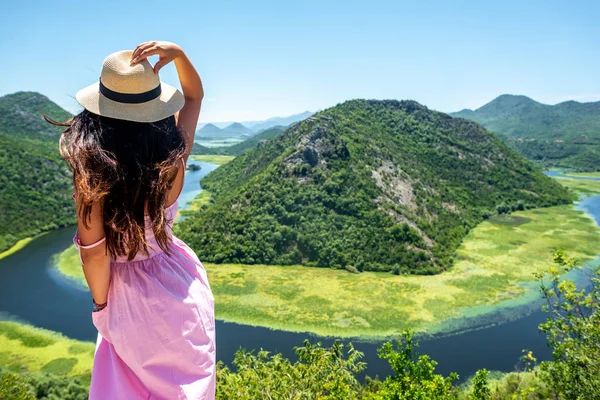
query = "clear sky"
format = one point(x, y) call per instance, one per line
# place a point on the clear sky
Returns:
point(260, 59)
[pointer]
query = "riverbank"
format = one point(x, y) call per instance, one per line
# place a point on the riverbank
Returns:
point(212, 158)
point(494, 269)
point(195, 205)
point(19, 245)
point(26, 348)
point(583, 174)
point(581, 186)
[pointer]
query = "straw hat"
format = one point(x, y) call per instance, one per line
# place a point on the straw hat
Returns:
point(130, 92)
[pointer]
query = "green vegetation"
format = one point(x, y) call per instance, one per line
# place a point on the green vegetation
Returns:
point(195, 205)
point(21, 116)
point(329, 373)
point(319, 373)
point(367, 186)
point(35, 184)
point(252, 142)
point(573, 332)
point(581, 186)
point(26, 348)
point(520, 116)
point(40, 364)
point(213, 159)
point(583, 174)
point(533, 129)
point(18, 246)
point(69, 264)
point(549, 154)
point(493, 266)
point(198, 149)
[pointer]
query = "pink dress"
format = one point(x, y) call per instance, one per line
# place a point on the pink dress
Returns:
point(156, 336)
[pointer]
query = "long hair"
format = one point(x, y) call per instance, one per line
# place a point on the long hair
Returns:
point(124, 167)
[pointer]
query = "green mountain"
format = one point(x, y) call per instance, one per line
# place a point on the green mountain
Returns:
point(562, 135)
point(522, 117)
point(201, 150)
point(21, 116)
point(252, 142)
point(35, 184)
point(366, 185)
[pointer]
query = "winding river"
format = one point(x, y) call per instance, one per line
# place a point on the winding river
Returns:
point(33, 292)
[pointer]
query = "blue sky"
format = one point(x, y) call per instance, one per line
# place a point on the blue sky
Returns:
point(260, 59)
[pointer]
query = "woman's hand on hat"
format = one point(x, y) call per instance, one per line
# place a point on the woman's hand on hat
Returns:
point(166, 52)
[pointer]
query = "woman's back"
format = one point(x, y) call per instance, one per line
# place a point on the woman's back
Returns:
point(154, 309)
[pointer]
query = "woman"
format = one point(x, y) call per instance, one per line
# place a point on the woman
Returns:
point(153, 306)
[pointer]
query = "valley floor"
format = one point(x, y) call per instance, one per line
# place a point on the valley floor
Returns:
point(26, 348)
point(494, 271)
point(213, 159)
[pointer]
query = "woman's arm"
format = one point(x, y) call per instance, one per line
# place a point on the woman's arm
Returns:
point(191, 84)
point(95, 260)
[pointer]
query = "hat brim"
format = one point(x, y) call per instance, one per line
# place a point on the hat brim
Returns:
point(168, 103)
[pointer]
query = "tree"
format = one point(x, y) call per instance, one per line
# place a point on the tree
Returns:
point(573, 331)
point(415, 377)
point(319, 373)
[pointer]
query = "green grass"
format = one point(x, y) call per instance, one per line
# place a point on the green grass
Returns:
point(492, 265)
point(18, 246)
point(583, 174)
point(212, 158)
point(69, 264)
point(26, 348)
point(195, 205)
point(581, 186)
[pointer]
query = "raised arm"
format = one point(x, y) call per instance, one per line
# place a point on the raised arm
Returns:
point(191, 84)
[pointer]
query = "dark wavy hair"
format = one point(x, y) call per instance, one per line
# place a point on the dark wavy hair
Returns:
point(123, 166)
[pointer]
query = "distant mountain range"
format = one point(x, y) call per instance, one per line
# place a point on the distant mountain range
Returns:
point(365, 185)
point(209, 130)
point(232, 128)
point(562, 135)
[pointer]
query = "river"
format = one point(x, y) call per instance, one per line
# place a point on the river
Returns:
point(32, 291)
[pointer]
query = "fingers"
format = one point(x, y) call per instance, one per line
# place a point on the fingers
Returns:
point(138, 56)
point(159, 64)
point(140, 48)
point(144, 54)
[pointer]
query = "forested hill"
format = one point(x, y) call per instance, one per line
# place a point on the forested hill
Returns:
point(21, 116)
point(252, 142)
point(35, 184)
point(365, 185)
point(564, 135)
